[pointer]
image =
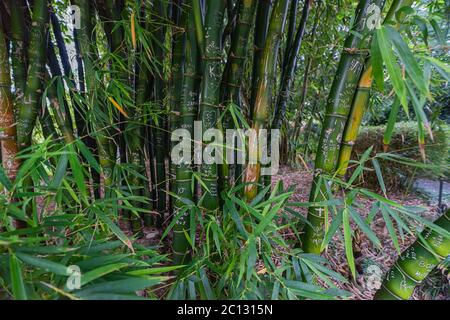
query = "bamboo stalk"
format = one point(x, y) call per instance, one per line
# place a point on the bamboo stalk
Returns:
point(56, 72)
point(8, 143)
point(115, 12)
point(416, 262)
point(289, 68)
point(355, 117)
point(176, 83)
point(292, 23)
point(232, 77)
point(188, 112)
point(8, 135)
point(135, 133)
point(360, 103)
point(106, 150)
point(28, 106)
point(265, 85)
point(210, 94)
point(59, 111)
point(336, 114)
point(19, 61)
point(159, 133)
point(261, 26)
point(79, 113)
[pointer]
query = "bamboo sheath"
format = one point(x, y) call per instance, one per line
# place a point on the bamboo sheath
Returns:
point(261, 29)
point(8, 143)
point(416, 262)
point(337, 111)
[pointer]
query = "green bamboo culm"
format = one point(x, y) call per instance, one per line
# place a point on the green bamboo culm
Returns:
point(289, 68)
point(135, 134)
point(360, 102)
point(416, 262)
point(263, 99)
point(336, 113)
point(159, 133)
point(28, 106)
point(176, 80)
point(59, 110)
point(19, 57)
point(259, 39)
point(106, 151)
point(232, 79)
point(210, 93)
point(183, 188)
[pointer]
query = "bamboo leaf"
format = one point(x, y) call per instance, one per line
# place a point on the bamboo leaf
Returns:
point(17, 283)
point(88, 155)
point(376, 166)
point(348, 242)
point(411, 66)
point(77, 172)
point(335, 224)
point(206, 285)
point(127, 285)
point(152, 271)
point(44, 264)
point(364, 227)
point(4, 180)
point(422, 24)
point(251, 257)
point(442, 68)
point(390, 227)
point(377, 64)
point(115, 229)
point(387, 137)
point(60, 172)
point(391, 65)
point(100, 272)
point(438, 32)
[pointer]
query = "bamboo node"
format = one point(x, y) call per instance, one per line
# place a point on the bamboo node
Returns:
point(356, 51)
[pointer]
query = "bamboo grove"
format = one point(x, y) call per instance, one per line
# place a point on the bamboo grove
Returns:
point(93, 93)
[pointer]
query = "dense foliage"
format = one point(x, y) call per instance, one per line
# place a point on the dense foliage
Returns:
point(93, 93)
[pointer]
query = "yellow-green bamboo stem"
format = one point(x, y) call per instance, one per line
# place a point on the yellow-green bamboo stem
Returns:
point(355, 117)
point(336, 114)
point(263, 97)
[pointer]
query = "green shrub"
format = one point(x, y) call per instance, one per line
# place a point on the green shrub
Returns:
point(404, 144)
